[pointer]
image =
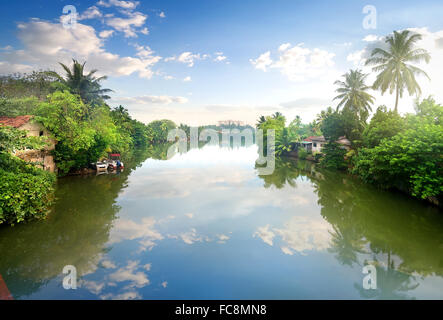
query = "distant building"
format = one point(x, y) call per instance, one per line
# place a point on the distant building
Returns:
point(33, 129)
point(231, 123)
point(315, 144)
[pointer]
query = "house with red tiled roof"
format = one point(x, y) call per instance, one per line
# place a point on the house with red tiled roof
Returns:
point(315, 144)
point(33, 129)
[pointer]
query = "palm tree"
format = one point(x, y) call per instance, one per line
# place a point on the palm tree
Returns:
point(85, 85)
point(261, 120)
point(277, 115)
point(394, 64)
point(353, 95)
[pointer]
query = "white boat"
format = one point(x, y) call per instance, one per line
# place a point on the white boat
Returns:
point(102, 166)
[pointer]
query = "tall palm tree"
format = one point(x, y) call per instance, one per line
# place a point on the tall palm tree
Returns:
point(85, 85)
point(353, 95)
point(394, 64)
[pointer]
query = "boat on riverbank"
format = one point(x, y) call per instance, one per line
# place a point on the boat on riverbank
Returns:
point(102, 166)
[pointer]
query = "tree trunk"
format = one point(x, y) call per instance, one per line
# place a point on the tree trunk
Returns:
point(397, 94)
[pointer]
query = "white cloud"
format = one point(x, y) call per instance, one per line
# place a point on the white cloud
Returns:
point(108, 264)
point(162, 15)
point(106, 33)
point(188, 58)
point(371, 38)
point(164, 284)
point(265, 234)
point(222, 238)
point(45, 44)
point(129, 273)
point(297, 63)
point(90, 13)
point(129, 230)
point(300, 234)
point(150, 100)
point(187, 79)
point(263, 61)
point(145, 31)
point(129, 295)
point(128, 25)
point(284, 47)
point(117, 3)
point(191, 237)
point(306, 103)
point(356, 58)
point(7, 48)
point(92, 286)
point(220, 58)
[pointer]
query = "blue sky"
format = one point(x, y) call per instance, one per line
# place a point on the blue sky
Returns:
point(202, 61)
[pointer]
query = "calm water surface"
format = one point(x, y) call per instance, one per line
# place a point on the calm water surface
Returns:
point(204, 225)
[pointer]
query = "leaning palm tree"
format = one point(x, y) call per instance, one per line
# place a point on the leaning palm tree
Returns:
point(85, 85)
point(394, 64)
point(353, 95)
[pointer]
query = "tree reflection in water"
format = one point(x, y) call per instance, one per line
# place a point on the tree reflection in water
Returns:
point(75, 232)
point(402, 236)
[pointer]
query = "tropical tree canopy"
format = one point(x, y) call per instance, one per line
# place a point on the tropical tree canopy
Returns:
point(395, 64)
point(85, 85)
point(353, 95)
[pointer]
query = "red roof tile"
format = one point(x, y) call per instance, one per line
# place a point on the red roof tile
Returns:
point(311, 138)
point(15, 122)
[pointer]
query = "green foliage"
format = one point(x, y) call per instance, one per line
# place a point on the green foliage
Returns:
point(26, 191)
point(285, 141)
point(332, 126)
point(14, 107)
point(12, 139)
point(384, 124)
point(87, 86)
point(343, 123)
point(302, 154)
point(334, 156)
point(65, 116)
point(35, 84)
point(429, 109)
point(412, 159)
point(353, 95)
point(157, 131)
point(25, 196)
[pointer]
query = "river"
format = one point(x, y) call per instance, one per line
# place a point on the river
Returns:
point(205, 225)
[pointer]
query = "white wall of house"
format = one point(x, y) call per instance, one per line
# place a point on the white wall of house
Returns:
point(45, 157)
point(317, 146)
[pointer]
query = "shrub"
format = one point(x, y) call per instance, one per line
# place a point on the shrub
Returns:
point(26, 195)
point(302, 154)
point(334, 156)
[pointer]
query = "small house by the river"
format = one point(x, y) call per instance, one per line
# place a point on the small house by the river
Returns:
point(315, 144)
point(35, 129)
